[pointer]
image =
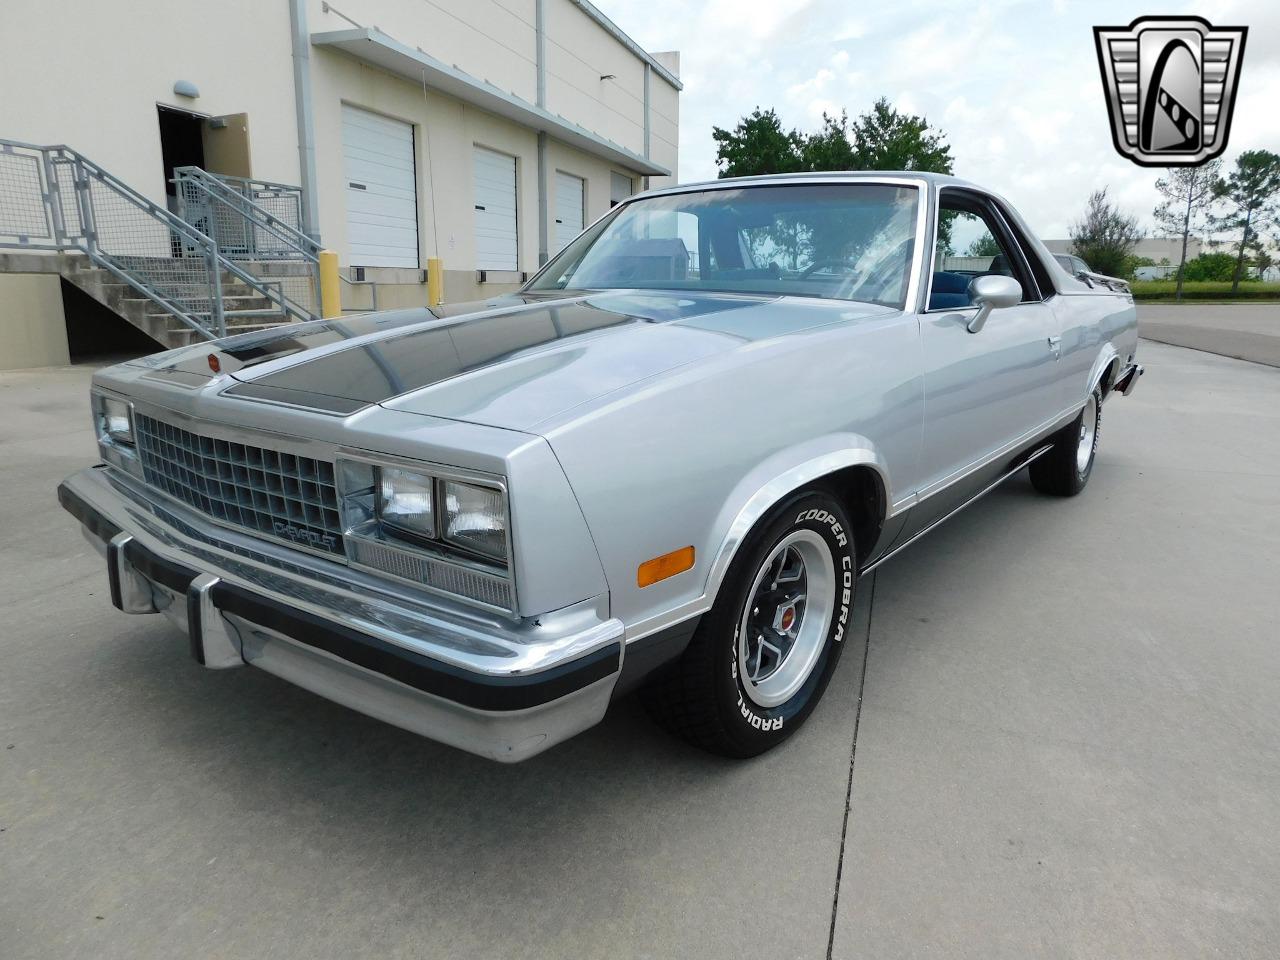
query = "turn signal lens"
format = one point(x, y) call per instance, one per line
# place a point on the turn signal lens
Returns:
point(667, 565)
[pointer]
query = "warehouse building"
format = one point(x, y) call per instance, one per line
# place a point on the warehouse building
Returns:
point(475, 136)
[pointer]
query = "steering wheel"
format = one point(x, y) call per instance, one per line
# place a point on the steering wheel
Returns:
point(830, 262)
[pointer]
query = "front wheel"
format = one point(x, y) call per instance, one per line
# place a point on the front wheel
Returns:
point(762, 657)
point(1065, 469)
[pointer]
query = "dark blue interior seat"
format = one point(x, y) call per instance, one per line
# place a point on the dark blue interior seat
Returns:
point(950, 291)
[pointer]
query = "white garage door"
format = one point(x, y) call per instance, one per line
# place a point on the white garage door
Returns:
point(570, 193)
point(495, 183)
point(381, 188)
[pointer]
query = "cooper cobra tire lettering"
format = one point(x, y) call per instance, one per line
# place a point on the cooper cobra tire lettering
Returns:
point(715, 696)
point(822, 516)
point(846, 595)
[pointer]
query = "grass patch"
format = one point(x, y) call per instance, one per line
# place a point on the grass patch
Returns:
point(1204, 290)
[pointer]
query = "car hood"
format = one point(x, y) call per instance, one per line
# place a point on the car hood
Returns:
point(516, 362)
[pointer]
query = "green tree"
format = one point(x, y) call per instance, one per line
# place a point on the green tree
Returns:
point(1104, 238)
point(757, 145)
point(880, 139)
point(830, 148)
point(1250, 193)
point(1132, 263)
point(885, 139)
point(1188, 193)
point(1210, 266)
point(983, 246)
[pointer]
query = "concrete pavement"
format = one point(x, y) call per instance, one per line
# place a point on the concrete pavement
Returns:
point(1065, 748)
point(1247, 331)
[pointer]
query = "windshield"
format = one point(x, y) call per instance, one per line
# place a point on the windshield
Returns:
point(846, 241)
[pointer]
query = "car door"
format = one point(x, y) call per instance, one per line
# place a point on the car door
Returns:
point(986, 393)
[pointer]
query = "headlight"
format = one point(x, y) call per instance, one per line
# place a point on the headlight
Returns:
point(406, 501)
point(115, 420)
point(474, 519)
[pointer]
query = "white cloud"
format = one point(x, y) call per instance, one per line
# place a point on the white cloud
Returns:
point(1012, 83)
point(814, 84)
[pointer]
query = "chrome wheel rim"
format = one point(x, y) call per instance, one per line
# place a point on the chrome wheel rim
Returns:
point(1088, 430)
point(785, 621)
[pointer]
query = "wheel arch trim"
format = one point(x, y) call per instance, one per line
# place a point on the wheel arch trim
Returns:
point(1107, 357)
point(772, 492)
point(755, 496)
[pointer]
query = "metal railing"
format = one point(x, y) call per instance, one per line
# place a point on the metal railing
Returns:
point(258, 222)
point(271, 248)
point(53, 198)
point(281, 200)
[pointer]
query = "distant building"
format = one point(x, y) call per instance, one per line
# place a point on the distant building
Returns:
point(1153, 248)
point(482, 136)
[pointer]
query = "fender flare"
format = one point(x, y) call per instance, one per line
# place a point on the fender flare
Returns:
point(853, 451)
point(1107, 355)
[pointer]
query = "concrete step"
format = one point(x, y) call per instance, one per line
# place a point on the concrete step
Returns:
point(230, 304)
point(186, 336)
point(173, 324)
point(247, 308)
point(182, 290)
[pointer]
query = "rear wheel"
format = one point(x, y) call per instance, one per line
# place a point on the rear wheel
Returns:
point(762, 657)
point(1065, 469)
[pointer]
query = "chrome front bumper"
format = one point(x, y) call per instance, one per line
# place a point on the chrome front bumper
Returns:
point(493, 686)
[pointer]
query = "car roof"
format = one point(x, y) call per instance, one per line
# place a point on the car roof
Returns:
point(827, 176)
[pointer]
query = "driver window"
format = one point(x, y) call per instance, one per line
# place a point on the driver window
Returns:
point(969, 245)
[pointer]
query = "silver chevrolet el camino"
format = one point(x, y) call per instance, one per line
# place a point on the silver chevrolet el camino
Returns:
point(663, 465)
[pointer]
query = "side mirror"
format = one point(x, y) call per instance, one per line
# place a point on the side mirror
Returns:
point(991, 292)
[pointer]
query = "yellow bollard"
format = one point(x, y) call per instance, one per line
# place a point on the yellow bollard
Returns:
point(435, 281)
point(330, 287)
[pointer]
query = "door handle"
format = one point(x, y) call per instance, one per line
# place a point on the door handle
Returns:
point(1055, 344)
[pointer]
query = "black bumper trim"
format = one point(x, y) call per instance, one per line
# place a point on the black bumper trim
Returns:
point(167, 573)
point(481, 692)
point(412, 669)
point(98, 525)
point(195, 626)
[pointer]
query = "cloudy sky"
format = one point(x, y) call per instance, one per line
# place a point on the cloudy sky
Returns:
point(1014, 85)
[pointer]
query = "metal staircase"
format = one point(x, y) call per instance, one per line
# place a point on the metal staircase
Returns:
point(165, 274)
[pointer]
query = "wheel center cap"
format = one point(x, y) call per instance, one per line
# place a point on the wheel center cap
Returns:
point(785, 619)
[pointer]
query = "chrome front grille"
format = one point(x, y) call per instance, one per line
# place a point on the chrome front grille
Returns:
point(282, 495)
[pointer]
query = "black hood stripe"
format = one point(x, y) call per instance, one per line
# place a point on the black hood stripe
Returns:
point(373, 372)
point(377, 370)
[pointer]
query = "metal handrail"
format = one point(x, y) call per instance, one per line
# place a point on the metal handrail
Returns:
point(245, 231)
point(62, 201)
point(214, 187)
point(249, 183)
point(208, 244)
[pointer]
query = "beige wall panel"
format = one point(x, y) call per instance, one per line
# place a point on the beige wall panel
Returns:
point(126, 60)
point(579, 53)
point(492, 40)
point(33, 328)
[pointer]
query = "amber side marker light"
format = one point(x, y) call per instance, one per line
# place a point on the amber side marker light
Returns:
point(667, 565)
